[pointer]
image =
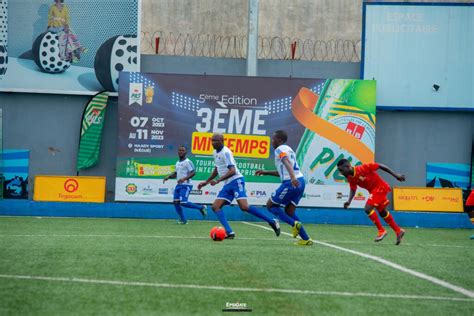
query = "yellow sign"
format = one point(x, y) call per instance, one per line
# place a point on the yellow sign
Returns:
point(241, 145)
point(148, 170)
point(427, 199)
point(69, 189)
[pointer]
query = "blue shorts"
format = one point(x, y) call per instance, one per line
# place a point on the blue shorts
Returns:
point(286, 193)
point(181, 192)
point(233, 190)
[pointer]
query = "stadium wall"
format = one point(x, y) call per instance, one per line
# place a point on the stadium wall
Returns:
point(49, 125)
point(233, 213)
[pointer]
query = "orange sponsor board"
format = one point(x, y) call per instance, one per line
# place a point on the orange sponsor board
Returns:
point(241, 145)
point(69, 189)
point(427, 199)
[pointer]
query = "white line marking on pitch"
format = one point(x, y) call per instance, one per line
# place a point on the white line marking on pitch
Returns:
point(234, 289)
point(405, 244)
point(201, 221)
point(417, 274)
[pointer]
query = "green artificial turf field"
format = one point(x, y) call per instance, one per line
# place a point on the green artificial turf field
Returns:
point(130, 266)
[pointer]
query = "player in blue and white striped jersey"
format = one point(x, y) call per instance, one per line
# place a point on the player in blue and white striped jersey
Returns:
point(234, 187)
point(184, 171)
point(291, 190)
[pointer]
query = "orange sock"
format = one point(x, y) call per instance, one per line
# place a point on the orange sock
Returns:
point(375, 218)
point(389, 220)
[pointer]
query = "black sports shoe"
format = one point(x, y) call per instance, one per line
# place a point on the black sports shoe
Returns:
point(276, 227)
point(230, 235)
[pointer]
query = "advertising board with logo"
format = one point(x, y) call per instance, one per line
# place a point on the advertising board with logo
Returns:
point(69, 189)
point(428, 199)
point(326, 120)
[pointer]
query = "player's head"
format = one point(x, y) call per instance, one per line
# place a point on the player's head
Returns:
point(278, 138)
point(345, 168)
point(217, 141)
point(182, 152)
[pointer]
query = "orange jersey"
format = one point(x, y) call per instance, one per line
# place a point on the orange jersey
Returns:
point(366, 177)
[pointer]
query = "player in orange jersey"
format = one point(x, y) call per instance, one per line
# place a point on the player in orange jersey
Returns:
point(366, 177)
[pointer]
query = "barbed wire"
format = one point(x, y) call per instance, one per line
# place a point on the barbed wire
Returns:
point(235, 46)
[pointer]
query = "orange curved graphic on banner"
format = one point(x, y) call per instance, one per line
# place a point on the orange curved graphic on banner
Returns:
point(302, 108)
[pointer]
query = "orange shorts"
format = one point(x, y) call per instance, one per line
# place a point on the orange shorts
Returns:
point(378, 200)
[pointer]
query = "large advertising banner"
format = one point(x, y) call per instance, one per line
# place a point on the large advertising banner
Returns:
point(429, 77)
point(326, 120)
point(67, 47)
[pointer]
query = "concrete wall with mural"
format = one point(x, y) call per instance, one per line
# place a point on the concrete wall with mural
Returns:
point(49, 125)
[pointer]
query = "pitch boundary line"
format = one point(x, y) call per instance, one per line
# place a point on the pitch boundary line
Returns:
point(234, 289)
point(396, 266)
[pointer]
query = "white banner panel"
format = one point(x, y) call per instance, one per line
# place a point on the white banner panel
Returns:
point(154, 190)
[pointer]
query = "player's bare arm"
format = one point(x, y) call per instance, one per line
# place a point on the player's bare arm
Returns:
point(229, 174)
point(267, 173)
point(349, 200)
point(204, 183)
point(399, 177)
point(191, 174)
point(294, 182)
point(170, 176)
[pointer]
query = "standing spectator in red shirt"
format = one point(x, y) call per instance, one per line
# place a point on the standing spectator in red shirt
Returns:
point(366, 177)
point(470, 204)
